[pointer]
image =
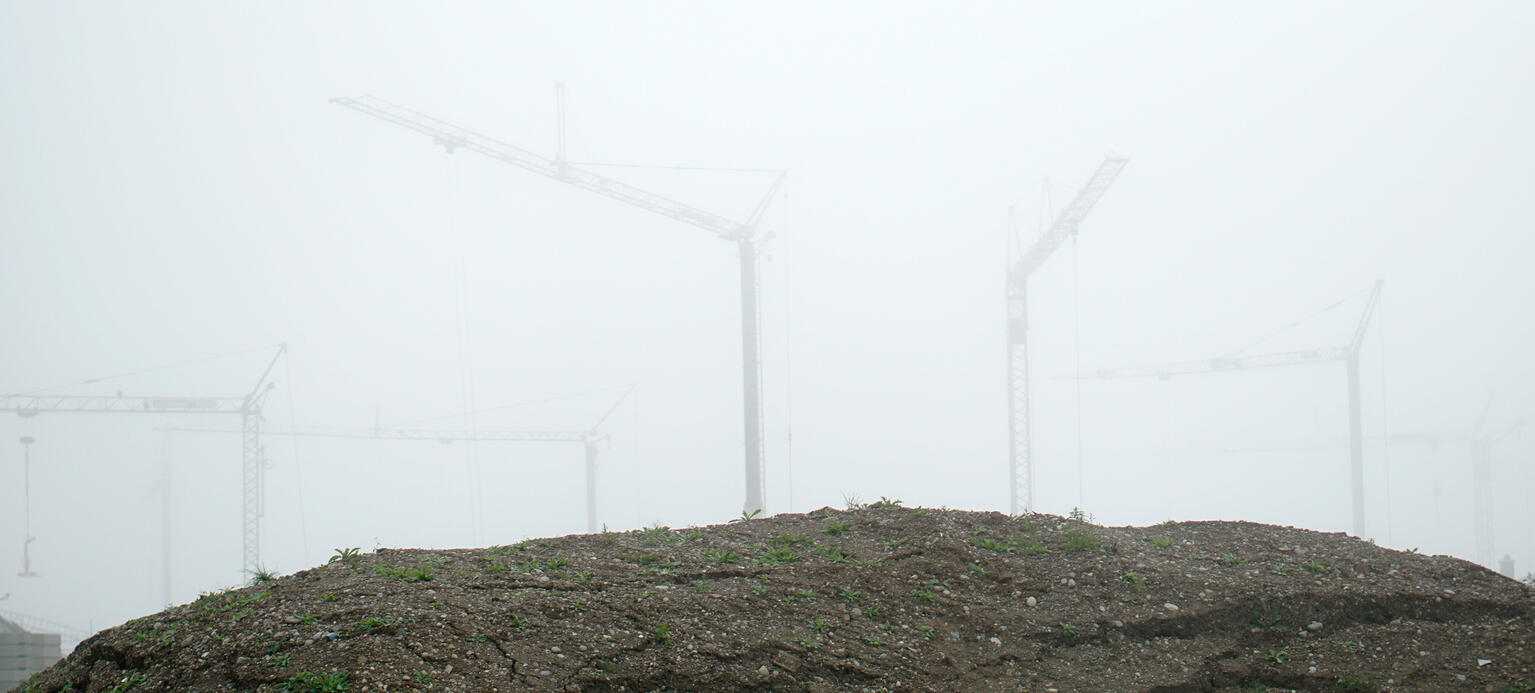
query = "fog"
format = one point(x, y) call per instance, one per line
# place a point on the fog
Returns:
point(178, 196)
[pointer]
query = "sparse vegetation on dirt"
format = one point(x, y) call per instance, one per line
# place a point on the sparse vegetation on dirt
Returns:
point(879, 597)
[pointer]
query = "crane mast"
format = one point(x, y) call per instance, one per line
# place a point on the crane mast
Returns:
point(743, 233)
point(1020, 459)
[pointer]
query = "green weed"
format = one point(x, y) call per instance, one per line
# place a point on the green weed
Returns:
point(1356, 683)
point(372, 623)
point(990, 544)
point(721, 556)
point(346, 555)
point(305, 682)
point(774, 556)
point(1275, 656)
point(421, 574)
point(835, 554)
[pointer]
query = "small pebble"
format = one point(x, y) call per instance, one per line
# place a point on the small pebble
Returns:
point(1031, 601)
point(1314, 626)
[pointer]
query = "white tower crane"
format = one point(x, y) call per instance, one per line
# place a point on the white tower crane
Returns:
point(1348, 354)
point(742, 233)
point(248, 407)
point(1480, 441)
point(1020, 466)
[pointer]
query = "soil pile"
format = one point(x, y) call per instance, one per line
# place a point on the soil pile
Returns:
point(880, 598)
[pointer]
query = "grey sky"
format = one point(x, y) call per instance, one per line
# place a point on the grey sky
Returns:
point(175, 185)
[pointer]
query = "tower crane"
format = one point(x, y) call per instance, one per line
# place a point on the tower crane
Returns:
point(742, 233)
point(247, 407)
point(1020, 459)
point(1348, 354)
point(1480, 441)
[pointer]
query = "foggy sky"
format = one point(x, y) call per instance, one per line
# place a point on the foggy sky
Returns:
point(175, 186)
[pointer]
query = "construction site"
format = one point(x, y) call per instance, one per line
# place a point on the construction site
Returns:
point(956, 404)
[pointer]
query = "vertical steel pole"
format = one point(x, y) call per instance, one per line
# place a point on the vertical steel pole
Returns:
point(165, 519)
point(591, 483)
point(27, 538)
point(751, 371)
point(1355, 443)
point(1020, 462)
point(250, 472)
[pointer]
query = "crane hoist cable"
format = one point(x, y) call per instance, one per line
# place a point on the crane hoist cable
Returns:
point(463, 337)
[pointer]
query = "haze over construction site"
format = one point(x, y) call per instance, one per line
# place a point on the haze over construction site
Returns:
point(463, 249)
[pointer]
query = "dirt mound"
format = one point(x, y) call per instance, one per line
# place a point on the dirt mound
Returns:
point(882, 598)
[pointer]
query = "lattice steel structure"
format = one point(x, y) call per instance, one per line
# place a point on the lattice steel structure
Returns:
point(248, 407)
point(1020, 466)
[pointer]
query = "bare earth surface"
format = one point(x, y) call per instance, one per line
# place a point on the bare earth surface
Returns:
point(882, 598)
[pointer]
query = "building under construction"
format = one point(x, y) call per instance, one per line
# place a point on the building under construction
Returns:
point(24, 653)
